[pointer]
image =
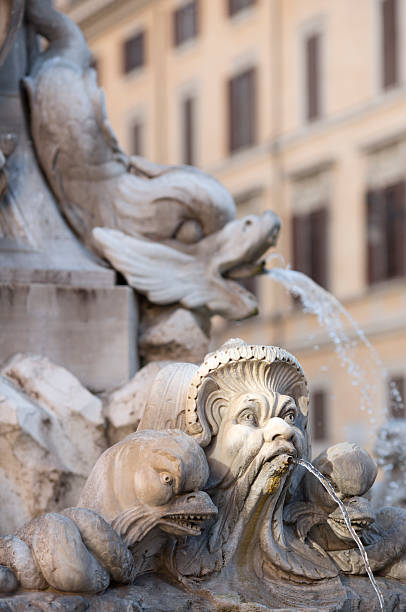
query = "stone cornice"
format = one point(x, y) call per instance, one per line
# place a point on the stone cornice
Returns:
point(94, 16)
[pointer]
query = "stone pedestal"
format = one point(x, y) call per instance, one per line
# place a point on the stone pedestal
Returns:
point(90, 331)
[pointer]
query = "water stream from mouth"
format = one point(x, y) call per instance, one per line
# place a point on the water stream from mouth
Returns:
point(332, 315)
point(327, 485)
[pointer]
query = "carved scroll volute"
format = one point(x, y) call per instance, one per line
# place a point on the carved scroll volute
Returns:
point(11, 14)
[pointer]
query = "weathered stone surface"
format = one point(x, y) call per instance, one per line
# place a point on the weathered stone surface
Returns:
point(174, 334)
point(91, 332)
point(51, 434)
point(78, 411)
point(154, 594)
point(124, 407)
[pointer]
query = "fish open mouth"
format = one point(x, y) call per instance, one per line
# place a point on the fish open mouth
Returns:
point(339, 526)
point(185, 524)
point(245, 270)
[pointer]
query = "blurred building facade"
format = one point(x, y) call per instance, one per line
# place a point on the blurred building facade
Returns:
point(295, 106)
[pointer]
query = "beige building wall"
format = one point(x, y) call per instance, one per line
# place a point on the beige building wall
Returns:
point(358, 142)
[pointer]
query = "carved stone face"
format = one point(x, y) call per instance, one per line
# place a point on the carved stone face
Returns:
point(253, 425)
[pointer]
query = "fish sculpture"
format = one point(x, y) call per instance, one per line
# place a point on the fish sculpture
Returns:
point(170, 230)
point(142, 494)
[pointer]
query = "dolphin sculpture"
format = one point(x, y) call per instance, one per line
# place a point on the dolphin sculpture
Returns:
point(142, 494)
point(170, 230)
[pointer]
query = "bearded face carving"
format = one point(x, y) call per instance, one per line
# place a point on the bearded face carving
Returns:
point(247, 406)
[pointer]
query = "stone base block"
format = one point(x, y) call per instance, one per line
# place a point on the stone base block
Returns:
point(91, 332)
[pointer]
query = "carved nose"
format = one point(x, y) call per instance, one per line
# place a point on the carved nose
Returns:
point(278, 428)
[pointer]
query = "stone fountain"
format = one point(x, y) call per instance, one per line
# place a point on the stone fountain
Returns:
point(136, 470)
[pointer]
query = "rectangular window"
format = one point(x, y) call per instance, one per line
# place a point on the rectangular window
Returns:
point(235, 6)
point(242, 110)
point(389, 38)
point(386, 236)
point(188, 127)
point(185, 23)
point(313, 77)
point(309, 244)
point(134, 52)
point(396, 397)
point(318, 411)
point(137, 138)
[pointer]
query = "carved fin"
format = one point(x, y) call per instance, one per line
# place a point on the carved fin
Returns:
point(162, 273)
point(304, 516)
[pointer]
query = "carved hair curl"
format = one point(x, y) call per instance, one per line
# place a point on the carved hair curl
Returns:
point(230, 370)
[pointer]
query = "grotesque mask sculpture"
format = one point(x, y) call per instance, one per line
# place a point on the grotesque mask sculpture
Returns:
point(247, 406)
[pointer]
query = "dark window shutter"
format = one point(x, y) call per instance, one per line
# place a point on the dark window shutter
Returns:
point(188, 131)
point(312, 51)
point(396, 409)
point(134, 52)
point(300, 243)
point(376, 236)
point(318, 412)
point(318, 246)
point(389, 43)
point(185, 22)
point(310, 244)
point(394, 196)
point(235, 6)
point(137, 148)
point(242, 110)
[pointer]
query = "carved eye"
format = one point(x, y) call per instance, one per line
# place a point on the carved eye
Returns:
point(189, 232)
point(290, 416)
point(166, 478)
point(248, 417)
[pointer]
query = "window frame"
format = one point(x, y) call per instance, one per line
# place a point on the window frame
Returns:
point(234, 11)
point(178, 40)
point(129, 67)
point(314, 27)
point(378, 205)
point(304, 231)
point(319, 391)
point(235, 141)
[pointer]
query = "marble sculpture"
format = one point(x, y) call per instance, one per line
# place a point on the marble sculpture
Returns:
point(203, 505)
point(218, 505)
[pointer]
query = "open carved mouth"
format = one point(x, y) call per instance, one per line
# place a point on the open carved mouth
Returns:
point(245, 270)
point(185, 524)
point(251, 263)
point(358, 525)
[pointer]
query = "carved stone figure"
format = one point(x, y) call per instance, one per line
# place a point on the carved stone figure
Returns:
point(259, 535)
point(74, 551)
point(148, 487)
point(169, 230)
point(247, 406)
point(390, 453)
point(352, 472)
point(151, 481)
